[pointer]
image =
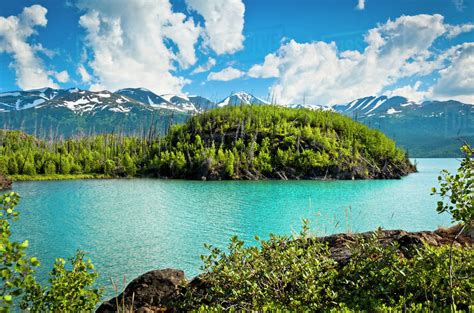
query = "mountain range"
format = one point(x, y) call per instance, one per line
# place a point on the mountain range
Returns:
point(425, 129)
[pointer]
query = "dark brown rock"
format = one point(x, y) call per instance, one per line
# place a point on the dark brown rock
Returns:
point(151, 292)
point(5, 183)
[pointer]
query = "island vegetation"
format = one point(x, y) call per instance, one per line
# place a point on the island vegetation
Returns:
point(243, 142)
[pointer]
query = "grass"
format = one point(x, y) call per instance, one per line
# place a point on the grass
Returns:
point(42, 177)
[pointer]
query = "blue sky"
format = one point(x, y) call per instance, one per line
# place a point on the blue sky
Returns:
point(319, 52)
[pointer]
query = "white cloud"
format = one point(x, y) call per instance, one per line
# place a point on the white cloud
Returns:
point(85, 76)
point(224, 23)
point(128, 41)
point(457, 80)
point(360, 5)
point(14, 34)
point(455, 30)
point(322, 74)
point(62, 77)
point(229, 73)
point(268, 69)
point(410, 92)
point(205, 67)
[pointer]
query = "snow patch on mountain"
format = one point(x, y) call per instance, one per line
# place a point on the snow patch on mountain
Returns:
point(241, 98)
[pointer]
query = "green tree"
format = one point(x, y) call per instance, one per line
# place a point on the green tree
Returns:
point(12, 165)
point(29, 168)
point(130, 167)
point(50, 167)
point(65, 165)
point(3, 165)
point(109, 167)
point(229, 164)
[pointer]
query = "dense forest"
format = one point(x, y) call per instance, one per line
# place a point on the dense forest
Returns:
point(246, 142)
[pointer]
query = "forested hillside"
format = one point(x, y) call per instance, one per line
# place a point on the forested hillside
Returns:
point(254, 142)
point(246, 142)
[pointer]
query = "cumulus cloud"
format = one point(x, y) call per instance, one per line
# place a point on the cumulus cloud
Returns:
point(224, 23)
point(229, 73)
point(129, 44)
point(360, 5)
point(14, 34)
point(324, 75)
point(205, 67)
point(455, 30)
point(268, 69)
point(457, 80)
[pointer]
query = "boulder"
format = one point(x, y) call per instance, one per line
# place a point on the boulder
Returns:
point(5, 183)
point(150, 292)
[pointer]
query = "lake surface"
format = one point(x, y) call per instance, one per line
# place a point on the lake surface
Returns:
point(131, 226)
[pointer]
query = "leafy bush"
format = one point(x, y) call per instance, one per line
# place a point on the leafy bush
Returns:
point(298, 274)
point(458, 190)
point(69, 290)
point(379, 277)
point(16, 268)
point(291, 273)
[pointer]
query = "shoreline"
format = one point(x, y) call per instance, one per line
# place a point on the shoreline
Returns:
point(60, 177)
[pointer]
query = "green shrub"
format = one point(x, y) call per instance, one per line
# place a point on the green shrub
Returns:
point(69, 290)
point(381, 276)
point(16, 268)
point(458, 190)
point(298, 274)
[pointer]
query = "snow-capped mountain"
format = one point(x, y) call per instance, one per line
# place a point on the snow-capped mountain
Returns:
point(180, 102)
point(74, 99)
point(424, 129)
point(397, 106)
point(311, 107)
point(49, 113)
point(124, 100)
point(240, 98)
point(201, 103)
point(84, 101)
point(369, 106)
point(19, 100)
point(144, 96)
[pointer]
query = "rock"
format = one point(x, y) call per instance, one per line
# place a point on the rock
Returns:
point(5, 183)
point(339, 244)
point(151, 292)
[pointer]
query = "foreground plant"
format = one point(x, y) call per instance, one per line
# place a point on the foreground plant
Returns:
point(69, 289)
point(299, 274)
point(16, 268)
point(457, 190)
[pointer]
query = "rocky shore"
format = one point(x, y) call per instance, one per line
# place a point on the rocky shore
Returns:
point(156, 290)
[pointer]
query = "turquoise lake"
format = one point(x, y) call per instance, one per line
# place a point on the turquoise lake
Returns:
point(130, 226)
